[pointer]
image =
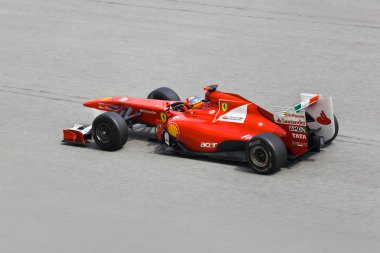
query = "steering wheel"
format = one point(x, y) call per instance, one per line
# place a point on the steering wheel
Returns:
point(178, 106)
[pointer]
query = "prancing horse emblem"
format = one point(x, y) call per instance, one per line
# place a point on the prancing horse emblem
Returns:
point(224, 107)
point(163, 117)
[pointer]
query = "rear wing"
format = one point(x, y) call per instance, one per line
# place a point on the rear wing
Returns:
point(313, 113)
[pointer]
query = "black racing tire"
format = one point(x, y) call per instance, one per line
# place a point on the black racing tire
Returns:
point(110, 131)
point(336, 131)
point(266, 153)
point(164, 93)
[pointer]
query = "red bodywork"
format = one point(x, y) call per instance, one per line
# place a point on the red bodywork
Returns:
point(225, 117)
point(74, 136)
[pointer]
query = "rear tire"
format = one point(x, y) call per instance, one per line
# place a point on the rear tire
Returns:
point(335, 133)
point(266, 153)
point(110, 131)
point(164, 93)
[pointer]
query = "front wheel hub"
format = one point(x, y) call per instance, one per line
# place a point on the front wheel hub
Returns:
point(104, 133)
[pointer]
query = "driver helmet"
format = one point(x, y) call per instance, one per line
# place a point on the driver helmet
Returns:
point(194, 102)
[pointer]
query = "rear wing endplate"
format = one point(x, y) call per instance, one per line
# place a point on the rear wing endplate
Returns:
point(313, 112)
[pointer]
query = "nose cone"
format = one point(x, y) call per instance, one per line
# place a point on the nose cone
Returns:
point(92, 103)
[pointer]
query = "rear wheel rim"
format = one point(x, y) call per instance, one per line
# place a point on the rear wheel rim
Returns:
point(259, 156)
point(104, 133)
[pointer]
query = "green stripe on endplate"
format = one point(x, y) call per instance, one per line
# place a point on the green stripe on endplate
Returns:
point(297, 107)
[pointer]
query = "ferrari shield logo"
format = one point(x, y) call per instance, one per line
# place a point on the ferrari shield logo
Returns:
point(224, 107)
point(163, 117)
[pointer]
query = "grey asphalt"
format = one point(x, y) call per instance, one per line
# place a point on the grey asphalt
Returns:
point(57, 198)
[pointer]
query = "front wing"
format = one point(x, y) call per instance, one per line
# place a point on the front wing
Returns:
point(78, 134)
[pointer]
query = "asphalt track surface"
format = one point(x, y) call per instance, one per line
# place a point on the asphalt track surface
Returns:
point(57, 198)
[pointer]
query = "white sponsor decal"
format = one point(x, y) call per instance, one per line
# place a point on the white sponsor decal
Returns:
point(103, 106)
point(292, 122)
point(299, 144)
point(208, 144)
point(297, 129)
point(236, 115)
point(123, 99)
point(247, 137)
point(299, 136)
point(290, 117)
point(211, 112)
point(260, 124)
point(294, 115)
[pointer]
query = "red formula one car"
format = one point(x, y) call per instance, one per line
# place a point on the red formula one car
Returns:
point(223, 125)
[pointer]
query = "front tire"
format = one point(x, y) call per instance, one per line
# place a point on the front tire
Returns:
point(110, 131)
point(266, 153)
